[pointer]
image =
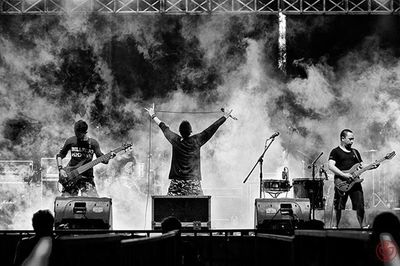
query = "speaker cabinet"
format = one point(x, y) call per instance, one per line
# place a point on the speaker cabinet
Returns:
point(281, 214)
point(82, 213)
point(194, 212)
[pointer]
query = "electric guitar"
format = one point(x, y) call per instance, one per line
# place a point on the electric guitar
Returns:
point(74, 172)
point(345, 185)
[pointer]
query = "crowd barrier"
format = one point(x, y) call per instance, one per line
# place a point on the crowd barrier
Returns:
point(305, 247)
point(86, 250)
point(335, 247)
point(153, 250)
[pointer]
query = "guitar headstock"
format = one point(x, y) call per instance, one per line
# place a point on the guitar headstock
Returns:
point(123, 147)
point(390, 155)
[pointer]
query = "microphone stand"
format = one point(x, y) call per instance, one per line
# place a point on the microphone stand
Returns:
point(314, 185)
point(260, 160)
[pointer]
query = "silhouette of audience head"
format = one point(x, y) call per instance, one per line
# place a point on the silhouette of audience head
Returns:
point(42, 222)
point(170, 223)
point(386, 222)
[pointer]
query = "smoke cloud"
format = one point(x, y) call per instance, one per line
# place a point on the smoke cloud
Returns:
point(107, 69)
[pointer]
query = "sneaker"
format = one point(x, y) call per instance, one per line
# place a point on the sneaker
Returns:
point(334, 227)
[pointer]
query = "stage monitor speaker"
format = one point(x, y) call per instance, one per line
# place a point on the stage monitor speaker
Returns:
point(281, 214)
point(194, 212)
point(82, 213)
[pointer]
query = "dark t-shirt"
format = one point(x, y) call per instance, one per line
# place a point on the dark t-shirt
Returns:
point(344, 160)
point(185, 163)
point(81, 152)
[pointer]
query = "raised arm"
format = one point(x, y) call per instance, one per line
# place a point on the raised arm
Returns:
point(40, 255)
point(152, 114)
point(165, 129)
point(206, 134)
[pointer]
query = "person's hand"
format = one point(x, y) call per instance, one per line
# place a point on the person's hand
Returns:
point(150, 110)
point(348, 176)
point(63, 173)
point(109, 157)
point(228, 114)
point(375, 165)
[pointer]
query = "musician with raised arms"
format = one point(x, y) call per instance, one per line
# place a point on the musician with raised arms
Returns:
point(82, 149)
point(341, 159)
point(185, 172)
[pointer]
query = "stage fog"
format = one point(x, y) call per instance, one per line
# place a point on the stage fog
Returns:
point(341, 72)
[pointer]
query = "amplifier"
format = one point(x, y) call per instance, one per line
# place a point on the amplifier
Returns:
point(270, 213)
point(194, 212)
point(82, 213)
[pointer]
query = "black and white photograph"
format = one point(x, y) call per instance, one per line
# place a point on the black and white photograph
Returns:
point(199, 132)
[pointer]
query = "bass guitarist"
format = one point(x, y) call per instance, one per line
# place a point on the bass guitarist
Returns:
point(82, 149)
point(341, 159)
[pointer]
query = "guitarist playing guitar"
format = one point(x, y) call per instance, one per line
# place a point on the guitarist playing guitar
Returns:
point(82, 149)
point(341, 159)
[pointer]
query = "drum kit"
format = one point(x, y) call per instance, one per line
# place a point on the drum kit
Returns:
point(310, 188)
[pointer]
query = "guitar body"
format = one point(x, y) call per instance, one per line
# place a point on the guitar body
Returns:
point(72, 178)
point(345, 186)
point(74, 172)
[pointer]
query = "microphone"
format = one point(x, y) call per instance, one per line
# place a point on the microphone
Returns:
point(231, 116)
point(274, 135)
point(316, 159)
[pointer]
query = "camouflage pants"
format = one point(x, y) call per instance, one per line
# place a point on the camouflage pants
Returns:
point(87, 188)
point(191, 187)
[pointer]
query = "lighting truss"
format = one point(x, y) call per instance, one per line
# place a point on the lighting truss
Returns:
point(369, 7)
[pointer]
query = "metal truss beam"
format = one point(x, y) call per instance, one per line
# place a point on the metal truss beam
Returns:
point(312, 7)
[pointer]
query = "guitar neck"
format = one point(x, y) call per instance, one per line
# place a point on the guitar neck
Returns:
point(368, 167)
point(92, 164)
point(95, 162)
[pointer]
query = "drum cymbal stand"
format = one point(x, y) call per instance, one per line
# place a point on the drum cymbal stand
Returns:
point(260, 161)
point(313, 185)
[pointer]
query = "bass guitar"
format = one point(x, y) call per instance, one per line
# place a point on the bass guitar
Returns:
point(74, 172)
point(345, 185)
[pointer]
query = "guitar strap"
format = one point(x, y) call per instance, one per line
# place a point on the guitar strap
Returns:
point(355, 153)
